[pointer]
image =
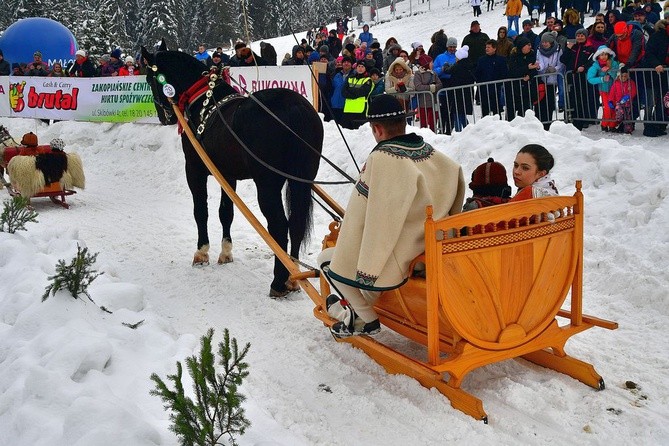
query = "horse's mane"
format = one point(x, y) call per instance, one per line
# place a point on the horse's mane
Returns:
point(181, 69)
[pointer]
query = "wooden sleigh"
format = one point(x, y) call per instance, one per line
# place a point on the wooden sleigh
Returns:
point(494, 282)
point(27, 181)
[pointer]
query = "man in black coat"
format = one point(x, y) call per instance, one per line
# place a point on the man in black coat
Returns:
point(334, 44)
point(520, 93)
point(82, 66)
point(268, 53)
point(491, 67)
point(583, 96)
point(656, 85)
point(476, 41)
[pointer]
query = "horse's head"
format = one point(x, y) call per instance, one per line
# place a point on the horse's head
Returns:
point(170, 71)
point(160, 101)
point(174, 72)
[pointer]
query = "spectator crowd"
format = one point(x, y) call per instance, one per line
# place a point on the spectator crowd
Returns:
point(606, 73)
point(616, 65)
point(113, 64)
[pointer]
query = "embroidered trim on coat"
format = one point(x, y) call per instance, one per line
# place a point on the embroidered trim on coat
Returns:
point(421, 152)
point(362, 188)
point(365, 279)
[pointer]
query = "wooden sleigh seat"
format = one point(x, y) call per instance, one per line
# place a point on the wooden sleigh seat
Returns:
point(495, 281)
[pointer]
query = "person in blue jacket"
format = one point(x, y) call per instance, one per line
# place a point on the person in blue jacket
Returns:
point(366, 36)
point(338, 81)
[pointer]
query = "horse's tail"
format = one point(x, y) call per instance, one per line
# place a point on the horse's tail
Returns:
point(305, 153)
point(300, 213)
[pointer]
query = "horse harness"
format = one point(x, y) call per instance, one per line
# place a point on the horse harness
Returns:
point(206, 86)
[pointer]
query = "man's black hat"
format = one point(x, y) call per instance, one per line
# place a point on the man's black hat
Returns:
point(386, 107)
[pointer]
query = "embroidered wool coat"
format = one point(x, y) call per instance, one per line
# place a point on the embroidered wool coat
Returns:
point(383, 228)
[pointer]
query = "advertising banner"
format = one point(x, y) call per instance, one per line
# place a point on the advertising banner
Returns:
point(96, 99)
point(252, 79)
point(126, 98)
point(4, 96)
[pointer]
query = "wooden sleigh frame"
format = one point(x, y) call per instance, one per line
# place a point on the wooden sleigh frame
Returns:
point(495, 281)
point(54, 191)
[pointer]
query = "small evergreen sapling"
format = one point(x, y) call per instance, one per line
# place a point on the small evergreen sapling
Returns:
point(216, 411)
point(15, 214)
point(75, 277)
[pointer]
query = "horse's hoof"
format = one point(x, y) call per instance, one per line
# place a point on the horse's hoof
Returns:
point(292, 285)
point(226, 252)
point(201, 256)
point(274, 294)
point(222, 259)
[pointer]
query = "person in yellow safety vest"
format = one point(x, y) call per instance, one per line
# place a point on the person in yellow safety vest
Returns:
point(357, 90)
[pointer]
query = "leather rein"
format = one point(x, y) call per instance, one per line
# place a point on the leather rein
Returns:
point(205, 86)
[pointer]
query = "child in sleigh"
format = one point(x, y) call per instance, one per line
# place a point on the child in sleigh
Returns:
point(490, 186)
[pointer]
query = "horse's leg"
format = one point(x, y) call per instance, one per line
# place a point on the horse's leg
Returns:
point(271, 205)
point(197, 183)
point(226, 213)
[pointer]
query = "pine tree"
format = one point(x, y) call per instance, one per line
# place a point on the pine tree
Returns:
point(102, 25)
point(216, 411)
point(158, 21)
point(15, 214)
point(75, 276)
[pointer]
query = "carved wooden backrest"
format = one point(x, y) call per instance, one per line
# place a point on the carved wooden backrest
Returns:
point(502, 273)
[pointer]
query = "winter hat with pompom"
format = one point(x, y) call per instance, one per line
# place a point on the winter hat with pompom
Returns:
point(462, 53)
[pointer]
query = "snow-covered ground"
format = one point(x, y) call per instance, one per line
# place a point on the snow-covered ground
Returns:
point(71, 374)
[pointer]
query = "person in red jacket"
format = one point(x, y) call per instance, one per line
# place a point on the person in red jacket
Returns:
point(129, 69)
point(622, 95)
point(628, 43)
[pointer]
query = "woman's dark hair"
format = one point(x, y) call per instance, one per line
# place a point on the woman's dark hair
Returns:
point(541, 156)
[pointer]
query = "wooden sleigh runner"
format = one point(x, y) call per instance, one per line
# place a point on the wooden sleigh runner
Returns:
point(494, 283)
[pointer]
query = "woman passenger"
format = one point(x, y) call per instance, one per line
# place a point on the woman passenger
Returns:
point(531, 173)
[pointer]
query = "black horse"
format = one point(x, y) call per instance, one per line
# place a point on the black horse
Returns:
point(277, 126)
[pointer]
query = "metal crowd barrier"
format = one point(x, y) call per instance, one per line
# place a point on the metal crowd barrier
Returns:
point(425, 105)
point(508, 98)
point(552, 96)
point(585, 104)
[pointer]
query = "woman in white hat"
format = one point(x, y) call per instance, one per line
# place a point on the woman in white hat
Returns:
point(82, 67)
point(129, 69)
